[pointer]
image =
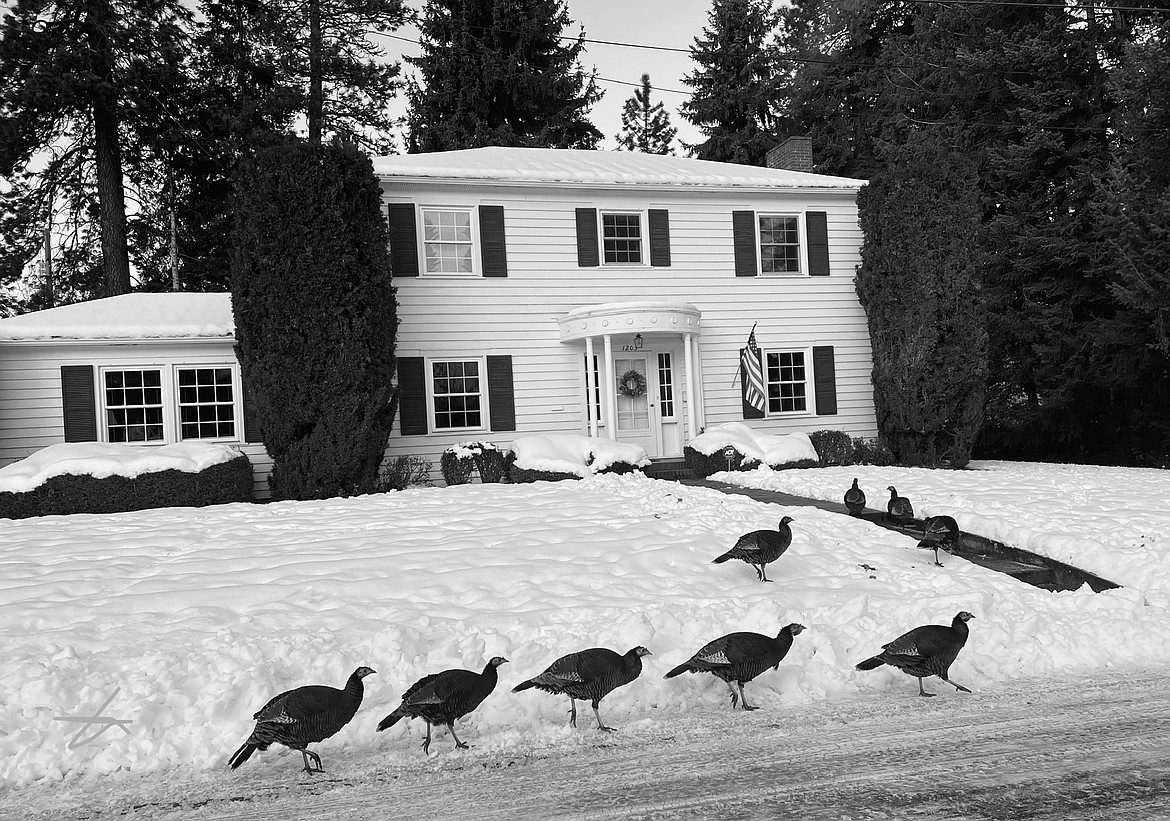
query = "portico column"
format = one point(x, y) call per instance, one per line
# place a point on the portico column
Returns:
point(590, 387)
point(692, 398)
point(609, 389)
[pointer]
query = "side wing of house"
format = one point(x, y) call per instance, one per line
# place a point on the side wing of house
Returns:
point(621, 312)
point(143, 392)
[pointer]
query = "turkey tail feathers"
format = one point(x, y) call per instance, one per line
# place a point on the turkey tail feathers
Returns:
point(389, 721)
point(685, 667)
point(871, 664)
point(241, 755)
point(721, 559)
point(524, 685)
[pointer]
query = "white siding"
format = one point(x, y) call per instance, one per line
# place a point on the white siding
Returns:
point(517, 315)
point(31, 408)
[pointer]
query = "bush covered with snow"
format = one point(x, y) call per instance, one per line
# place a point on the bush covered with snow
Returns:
point(459, 461)
point(570, 456)
point(706, 454)
point(106, 478)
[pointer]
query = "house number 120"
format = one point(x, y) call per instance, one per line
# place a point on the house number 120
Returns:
point(629, 348)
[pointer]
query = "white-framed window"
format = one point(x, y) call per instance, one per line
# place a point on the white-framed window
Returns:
point(621, 238)
point(170, 403)
point(448, 240)
point(457, 396)
point(780, 244)
point(206, 403)
point(132, 399)
point(786, 375)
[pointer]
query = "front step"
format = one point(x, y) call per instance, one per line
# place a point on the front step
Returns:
point(671, 467)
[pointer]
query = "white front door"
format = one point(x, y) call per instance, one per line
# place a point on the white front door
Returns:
point(637, 401)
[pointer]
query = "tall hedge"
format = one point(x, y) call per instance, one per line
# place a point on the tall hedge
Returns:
point(919, 282)
point(315, 316)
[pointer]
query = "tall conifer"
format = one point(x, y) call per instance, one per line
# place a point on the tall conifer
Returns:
point(645, 127)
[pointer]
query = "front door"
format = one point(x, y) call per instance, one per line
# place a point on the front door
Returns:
point(636, 387)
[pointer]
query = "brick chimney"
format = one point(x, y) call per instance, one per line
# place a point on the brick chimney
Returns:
point(794, 154)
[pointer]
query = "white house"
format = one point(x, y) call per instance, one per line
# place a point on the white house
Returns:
point(540, 291)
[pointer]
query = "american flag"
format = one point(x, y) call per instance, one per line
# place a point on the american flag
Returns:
point(749, 363)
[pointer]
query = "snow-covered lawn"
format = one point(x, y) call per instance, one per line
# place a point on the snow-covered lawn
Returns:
point(187, 620)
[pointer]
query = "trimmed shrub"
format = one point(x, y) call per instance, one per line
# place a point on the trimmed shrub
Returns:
point(703, 465)
point(491, 462)
point(456, 467)
point(67, 494)
point(834, 447)
point(524, 475)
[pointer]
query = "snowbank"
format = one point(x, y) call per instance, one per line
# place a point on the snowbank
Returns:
point(101, 460)
point(768, 448)
point(578, 455)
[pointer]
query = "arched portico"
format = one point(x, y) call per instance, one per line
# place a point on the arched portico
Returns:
point(649, 338)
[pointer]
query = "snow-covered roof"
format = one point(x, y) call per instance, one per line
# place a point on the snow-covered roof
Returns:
point(570, 166)
point(128, 316)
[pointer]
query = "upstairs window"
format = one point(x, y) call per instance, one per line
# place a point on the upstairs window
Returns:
point(621, 238)
point(447, 241)
point(779, 244)
point(787, 380)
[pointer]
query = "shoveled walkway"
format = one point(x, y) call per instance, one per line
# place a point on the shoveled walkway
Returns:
point(1039, 571)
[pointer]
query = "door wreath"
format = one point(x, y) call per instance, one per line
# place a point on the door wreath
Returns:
point(632, 383)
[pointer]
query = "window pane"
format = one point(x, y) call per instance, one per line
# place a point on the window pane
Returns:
point(207, 409)
point(779, 245)
point(787, 383)
point(447, 246)
point(134, 410)
point(621, 238)
point(455, 387)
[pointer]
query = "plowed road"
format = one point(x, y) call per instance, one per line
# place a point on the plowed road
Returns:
point(1091, 747)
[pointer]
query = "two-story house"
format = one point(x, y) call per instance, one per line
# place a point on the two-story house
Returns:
point(540, 291)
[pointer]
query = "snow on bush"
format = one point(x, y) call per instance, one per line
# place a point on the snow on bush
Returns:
point(768, 448)
point(102, 460)
point(571, 453)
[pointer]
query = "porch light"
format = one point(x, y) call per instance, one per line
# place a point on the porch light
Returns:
point(637, 342)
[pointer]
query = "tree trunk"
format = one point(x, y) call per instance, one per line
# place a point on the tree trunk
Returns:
point(111, 195)
point(315, 91)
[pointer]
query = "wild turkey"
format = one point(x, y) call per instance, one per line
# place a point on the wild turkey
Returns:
point(760, 547)
point(929, 650)
point(855, 499)
point(297, 718)
point(939, 531)
point(440, 698)
point(899, 507)
point(737, 658)
point(589, 674)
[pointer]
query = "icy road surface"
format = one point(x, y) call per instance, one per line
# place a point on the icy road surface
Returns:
point(1078, 747)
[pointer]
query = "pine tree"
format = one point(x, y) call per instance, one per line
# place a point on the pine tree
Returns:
point(736, 84)
point(645, 127)
point(496, 72)
point(74, 75)
point(315, 315)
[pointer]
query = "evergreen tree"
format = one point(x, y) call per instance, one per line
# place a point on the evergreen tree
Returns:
point(315, 317)
point(496, 72)
point(645, 127)
point(737, 83)
point(75, 76)
point(919, 282)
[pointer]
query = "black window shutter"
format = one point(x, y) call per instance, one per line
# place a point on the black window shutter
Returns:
point(403, 240)
point(816, 229)
point(78, 406)
point(412, 396)
point(743, 229)
point(825, 380)
point(588, 255)
point(750, 411)
point(659, 237)
point(491, 241)
point(251, 425)
point(501, 396)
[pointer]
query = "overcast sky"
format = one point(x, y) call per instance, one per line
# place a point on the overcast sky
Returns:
point(665, 23)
